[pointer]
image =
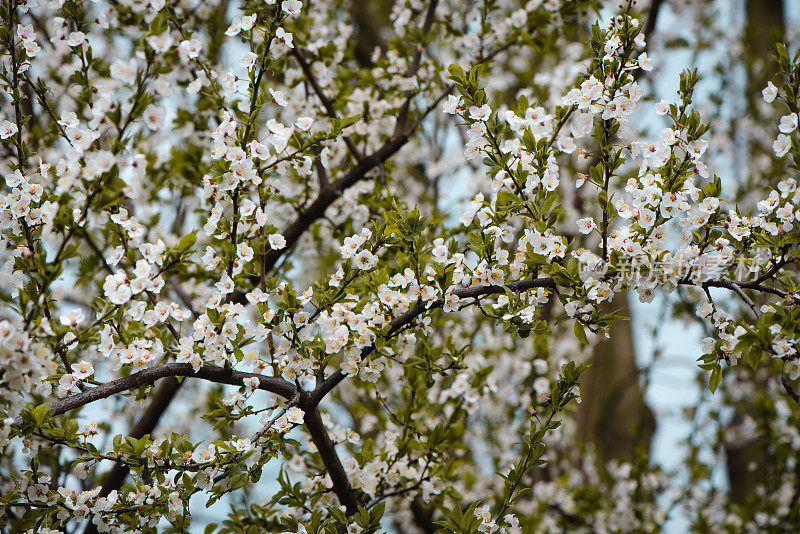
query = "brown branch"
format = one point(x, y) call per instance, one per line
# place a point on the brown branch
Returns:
point(211, 373)
point(406, 318)
point(300, 56)
point(728, 284)
point(649, 28)
point(772, 270)
point(285, 389)
point(326, 197)
point(652, 19)
point(731, 285)
point(402, 115)
point(265, 429)
point(330, 459)
point(792, 393)
point(322, 174)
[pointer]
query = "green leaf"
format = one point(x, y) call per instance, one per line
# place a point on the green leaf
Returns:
point(754, 357)
point(41, 413)
point(715, 378)
point(159, 24)
point(580, 333)
point(456, 74)
point(349, 121)
point(186, 242)
point(505, 198)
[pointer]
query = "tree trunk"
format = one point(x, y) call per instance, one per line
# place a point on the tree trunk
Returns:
point(613, 414)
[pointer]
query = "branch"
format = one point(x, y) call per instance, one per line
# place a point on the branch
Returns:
point(746, 299)
point(330, 459)
point(792, 393)
point(402, 115)
point(406, 318)
point(292, 402)
point(728, 284)
point(300, 56)
point(327, 197)
point(772, 271)
point(426, 27)
point(148, 376)
point(652, 18)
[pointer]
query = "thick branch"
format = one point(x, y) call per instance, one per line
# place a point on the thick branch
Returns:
point(757, 286)
point(333, 465)
point(148, 376)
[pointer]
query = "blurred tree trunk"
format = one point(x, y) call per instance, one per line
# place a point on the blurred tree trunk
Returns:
point(764, 27)
point(613, 414)
point(369, 18)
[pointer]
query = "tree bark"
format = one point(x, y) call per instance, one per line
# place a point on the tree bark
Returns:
point(613, 415)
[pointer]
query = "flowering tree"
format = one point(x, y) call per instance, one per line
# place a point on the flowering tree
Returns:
point(236, 266)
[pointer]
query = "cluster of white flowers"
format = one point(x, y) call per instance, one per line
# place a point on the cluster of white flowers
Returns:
point(24, 201)
point(362, 259)
point(25, 364)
